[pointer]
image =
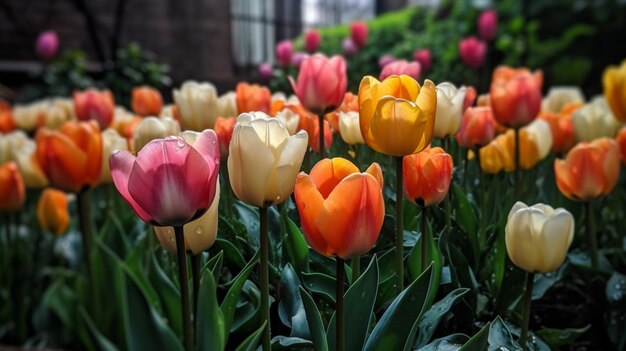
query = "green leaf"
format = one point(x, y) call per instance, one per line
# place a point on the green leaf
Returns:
point(290, 309)
point(555, 338)
point(318, 335)
point(397, 326)
point(467, 219)
point(500, 337)
point(229, 304)
point(252, 341)
point(479, 341)
point(448, 343)
point(616, 299)
point(211, 334)
point(320, 283)
point(231, 251)
point(296, 246)
point(359, 306)
point(543, 282)
point(103, 343)
point(214, 265)
point(168, 294)
point(433, 316)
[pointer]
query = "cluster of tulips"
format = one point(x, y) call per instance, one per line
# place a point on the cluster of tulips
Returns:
point(165, 160)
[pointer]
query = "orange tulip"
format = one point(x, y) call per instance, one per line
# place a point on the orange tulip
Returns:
point(621, 142)
point(146, 101)
point(562, 129)
point(12, 192)
point(71, 156)
point(614, 82)
point(341, 209)
point(7, 123)
point(427, 175)
point(477, 127)
point(93, 104)
point(589, 171)
point(252, 97)
point(515, 95)
point(52, 211)
point(224, 128)
point(310, 124)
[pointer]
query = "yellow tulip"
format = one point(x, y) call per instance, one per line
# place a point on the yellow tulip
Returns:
point(614, 81)
point(595, 120)
point(152, 128)
point(197, 105)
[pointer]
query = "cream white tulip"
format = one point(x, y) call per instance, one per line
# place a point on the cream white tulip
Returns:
point(263, 159)
point(595, 120)
point(449, 109)
point(540, 132)
point(197, 105)
point(279, 96)
point(16, 146)
point(559, 97)
point(538, 237)
point(59, 111)
point(349, 128)
point(290, 119)
point(227, 105)
point(26, 116)
point(200, 234)
point(152, 128)
point(111, 140)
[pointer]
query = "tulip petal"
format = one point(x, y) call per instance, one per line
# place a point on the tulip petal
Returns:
point(62, 161)
point(375, 171)
point(556, 237)
point(291, 154)
point(520, 241)
point(121, 164)
point(309, 203)
point(327, 173)
point(200, 234)
point(396, 127)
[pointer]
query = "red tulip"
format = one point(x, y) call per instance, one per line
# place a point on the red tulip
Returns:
point(92, 104)
point(477, 127)
point(427, 175)
point(470, 97)
point(411, 69)
point(170, 182)
point(424, 57)
point(146, 101)
point(12, 191)
point(515, 96)
point(621, 142)
point(488, 25)
point(472, 52)
point(358, 33)
point(7, 123)
point(321, 83)
point(284, 52)
point(312, 40)
point(47, 44)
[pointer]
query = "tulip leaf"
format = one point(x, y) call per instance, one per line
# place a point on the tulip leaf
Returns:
point(248, 313)
point(433, 255)
point(615, 293)
point(359, 306)
point(211, 333)
point(316, 327)
point(296, 246)
point(229, 304)
point(448, 343)
point(230, 251)
point(321, 284)
point(479, 341)
point(290, 309)
point(543, 282)
point(214, 265)
point(398, 325)
point(103, 343)
point(467, 219)
point(168, 294)
point(434, 315)
point(252, 341)
point(500, 337)
point(555, 338)
point(386, 279)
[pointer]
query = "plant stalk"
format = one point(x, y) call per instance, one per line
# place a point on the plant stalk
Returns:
point(84, 218)
point(356, 268)
point(526, 309)
point(447, 199)
point(181, 257)
point(483, 202)
point(321, 135)
point(264, 276)
point(399, 259)
point(424, 238)
point(339, 313)
point(195, 278)
point(517, 166)
point(591, 235)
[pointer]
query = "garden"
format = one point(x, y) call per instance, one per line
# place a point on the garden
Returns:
point(446, 178)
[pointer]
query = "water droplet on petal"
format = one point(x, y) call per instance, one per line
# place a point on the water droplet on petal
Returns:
point(172, 238)
point(115, 152)
point(199, 230)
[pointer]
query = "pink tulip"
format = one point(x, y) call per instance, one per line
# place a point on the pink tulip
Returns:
point(47, 44)
point(321, 83)
point(312, 41)
point(488, 25)
point(266, 72)
point(472, 52)
point(385, 60)
point(297, 59)
point(424, 57)
point(349, 47)
point(411, 69)
point(92, 104)
point(284, 52)
point(170, 182)
point(358, 33)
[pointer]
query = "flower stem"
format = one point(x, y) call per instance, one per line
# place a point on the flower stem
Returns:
point(84, 217)
point(526, 309)
point(181, 257)
point(483, 201)
point(591, 235)
point(264, 275)
point(339, 314)
point(356, 268)
point(399, 226)
point(447, 199)
point(517, 166)
point(465, 176)
point(424, 238)
point(195, 278)
point(321, 135)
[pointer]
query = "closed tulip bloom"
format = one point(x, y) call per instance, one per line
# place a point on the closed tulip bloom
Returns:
point(397, 116)
point(488, 24)
point(559, 97)
point(538, 237)
point(252, 97)
point(595, 120)
point(47, 44)
point(385, 60)
point(27, 116)
point(171, 111)
point(298, 58)
point(152, 128)
point(470, 97)
point(197, 105)
point(290, 119)
point(96, 105)
point(263, 159)
point(171, 181)
point(71, 156)
point(614, 82)
point(349, 47)
point(111, 140)
point(266, 71)
point(57, 111)
point(227, 105)
point(12, 192)
point(424, 57)
point(472, 52)
point(411, 69)
point(621, 142)
point(7, 123)
point(52, 211)
point(125, 122)
point(17, 147)
point(515, 96)
point(589, 171)
point(312, 40)
point(341, 209)
point(284, 53)
point(224, 128)
point(349, 128)
point(562, 129)
point(358, 33)
point(450, 102)
point(427, 175)
point(321, 83)
point(146, 101)
point(478, 127)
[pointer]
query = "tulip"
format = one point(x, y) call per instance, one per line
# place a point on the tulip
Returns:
point(252, 97)
point(111, 140)
point(397, 116)
point(47, 44)
point(71, 156)
point(227, 105)
point(92, 104)
point(424, 57)
point(264, 160)
point(321, 83)
point(298, 58)
point(146, 101)
point(27, 116)
point(560, 97)
point(427, 176)
point(290, 119)
point(621, 142)
point(57, 111)
point(7, 123)
point(171, 110)
point(477, 127)
point(17, 147)
point(595, 120)
point(358, 33)
point(350, 103)
point(284, 52)
point(450, 102)
point(312, 40)
point(12, 192)
point(472, 52)
point(589, 171)
point(349, 128)
point(52, 211)
point(470, 97)
point(310, 124)
point(614, 82)
point(515, 96)
point(562, 129)
point(224, 128)
point(411, 69)
point(483, 100)
point(385, 60)
point(349, 47)
point(488, 25)
point(152, 128)
point(266, 71)
point(341, 210)
point(197, 105)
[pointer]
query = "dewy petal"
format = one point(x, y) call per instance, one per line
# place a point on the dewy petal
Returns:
point(520, 241)
point(309, 203)
point(121, 164)
point(200, 234)
point(207, 145)
point(556, 237)
point(291, 153)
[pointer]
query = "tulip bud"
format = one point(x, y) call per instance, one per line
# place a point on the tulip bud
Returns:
point(92, 104)
point(146, 101)
point(227, 105)
point(427, 176)
point(621, 142)
point(152, 128)
point(477, 127)
point(312, 41)
point(424, 57)
point(358, 34)
point(197, 105)
point(12, 192)
point(321, 83)
point(52, 211)
point(385, 60)
point(411, 69)
point(298, 58)
point(224, 128)
point(349, 128)
point(266, 71)
point(515, 96)
point(595, 120)
point(349, 47)
point(450, 101)
point(538, 237)
point(111, 140)
point(614, 82)
point(488, 25)
point(284, 52)
point(559, 97)
point(252, 97)
point(47, 45)
point(472, 52)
